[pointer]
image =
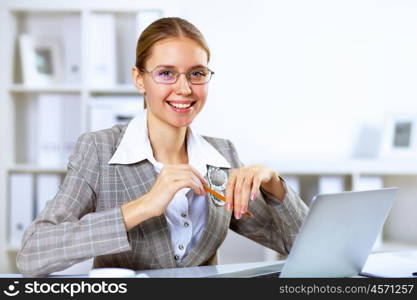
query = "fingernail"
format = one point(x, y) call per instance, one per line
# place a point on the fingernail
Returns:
point(229, 206)
point(243, 210)
point(253, 196)
point(237, 215)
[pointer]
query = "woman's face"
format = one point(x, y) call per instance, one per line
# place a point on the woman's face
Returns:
point(182, 55)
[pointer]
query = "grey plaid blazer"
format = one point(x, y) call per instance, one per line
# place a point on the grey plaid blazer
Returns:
point(84, 219)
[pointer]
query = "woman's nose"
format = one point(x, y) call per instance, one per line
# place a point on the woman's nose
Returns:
point(183, 86)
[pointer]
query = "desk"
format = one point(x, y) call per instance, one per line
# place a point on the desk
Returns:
point(389, 264)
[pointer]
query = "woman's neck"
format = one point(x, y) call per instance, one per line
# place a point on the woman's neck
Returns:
point(168, 143)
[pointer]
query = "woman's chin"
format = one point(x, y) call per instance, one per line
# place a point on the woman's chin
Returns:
point(181, 122)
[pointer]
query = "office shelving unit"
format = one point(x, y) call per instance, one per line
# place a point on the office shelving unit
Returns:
point(397, 232)
point(36, 18)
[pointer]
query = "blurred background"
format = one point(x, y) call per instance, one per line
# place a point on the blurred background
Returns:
point(322, 91)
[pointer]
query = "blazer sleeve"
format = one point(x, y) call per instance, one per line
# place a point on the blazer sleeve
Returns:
point(275, 223)
point(68, 230)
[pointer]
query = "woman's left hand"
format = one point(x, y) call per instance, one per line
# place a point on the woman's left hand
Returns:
point(244, 184)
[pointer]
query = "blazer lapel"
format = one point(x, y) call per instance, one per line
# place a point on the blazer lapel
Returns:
point(138, 179)
point(217, 224)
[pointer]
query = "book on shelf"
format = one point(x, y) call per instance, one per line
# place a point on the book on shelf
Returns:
point(102, 50)
point(107, 111)
point(21, 206)
point(47, 186)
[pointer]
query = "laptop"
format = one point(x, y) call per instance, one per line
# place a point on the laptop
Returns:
point(336, 238)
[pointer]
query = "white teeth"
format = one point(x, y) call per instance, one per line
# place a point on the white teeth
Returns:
point(180, 105)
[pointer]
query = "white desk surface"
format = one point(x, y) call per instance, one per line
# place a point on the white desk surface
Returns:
point(392, 264)
point(388, 264)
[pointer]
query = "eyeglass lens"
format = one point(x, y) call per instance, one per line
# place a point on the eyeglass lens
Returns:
point(169, 75)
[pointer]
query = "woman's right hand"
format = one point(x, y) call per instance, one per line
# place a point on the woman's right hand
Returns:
point(170, 180)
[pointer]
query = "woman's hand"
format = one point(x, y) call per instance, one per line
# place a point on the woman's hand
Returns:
point(170, 180)
point(244, 184)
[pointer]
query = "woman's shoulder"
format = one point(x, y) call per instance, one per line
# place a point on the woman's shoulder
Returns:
point(105, 139)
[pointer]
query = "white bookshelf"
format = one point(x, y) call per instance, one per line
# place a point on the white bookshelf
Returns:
point(70, 21)
point(121, 89)
point(27, 168)
point(396, 234)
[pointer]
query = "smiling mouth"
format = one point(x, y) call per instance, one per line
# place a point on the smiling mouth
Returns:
point(181, 105)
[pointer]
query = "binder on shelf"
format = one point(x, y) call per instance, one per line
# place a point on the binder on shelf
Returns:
point(102, 50)
point(49, 130)
point(47, 186)
point(107, 111)
point(71, 124)
point(59, 125)
point(28, 141)
point(21, 206)
point(72, 48)
point(369, 183)
point(331, 184)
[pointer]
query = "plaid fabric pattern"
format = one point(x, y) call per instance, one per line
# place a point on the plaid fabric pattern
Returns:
point(84, 219)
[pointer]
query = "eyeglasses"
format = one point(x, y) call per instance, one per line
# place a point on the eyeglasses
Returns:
point(167, 75)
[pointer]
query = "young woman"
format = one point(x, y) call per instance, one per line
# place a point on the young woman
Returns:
point(134, 196)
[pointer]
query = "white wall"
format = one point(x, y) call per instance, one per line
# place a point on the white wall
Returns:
point(302, 78)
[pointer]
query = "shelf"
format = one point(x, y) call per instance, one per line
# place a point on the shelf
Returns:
point(127, 89)
point(382, 167)
point(26, 168)
point(59, 88)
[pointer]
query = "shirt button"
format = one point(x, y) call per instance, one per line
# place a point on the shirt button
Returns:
point(186, 224)
point(183, 215)
point(181, 247)
point(176, 257)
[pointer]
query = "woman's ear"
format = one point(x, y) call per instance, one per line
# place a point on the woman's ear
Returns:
point(137, 78)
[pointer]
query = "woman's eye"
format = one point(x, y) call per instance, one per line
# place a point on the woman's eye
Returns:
point(165, 73)
point(198, 73)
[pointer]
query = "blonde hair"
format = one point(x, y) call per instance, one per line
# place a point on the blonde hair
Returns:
point(165, 28)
